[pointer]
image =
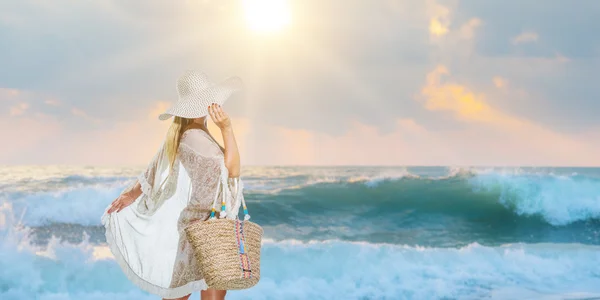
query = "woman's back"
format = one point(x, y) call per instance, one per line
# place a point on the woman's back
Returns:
point(202, 159)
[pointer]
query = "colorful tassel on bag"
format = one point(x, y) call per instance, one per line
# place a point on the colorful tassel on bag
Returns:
point(246, 215)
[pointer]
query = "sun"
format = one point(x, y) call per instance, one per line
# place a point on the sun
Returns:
point(266, 16)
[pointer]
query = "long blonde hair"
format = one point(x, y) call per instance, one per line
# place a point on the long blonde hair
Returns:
point(173, 138)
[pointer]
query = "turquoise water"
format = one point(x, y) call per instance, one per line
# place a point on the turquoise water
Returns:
point(332, 233)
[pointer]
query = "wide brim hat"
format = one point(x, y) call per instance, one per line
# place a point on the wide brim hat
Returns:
point(196, 92)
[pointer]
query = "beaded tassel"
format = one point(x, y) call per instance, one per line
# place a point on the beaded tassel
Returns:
point(246, 215)
point(225, 190)
point(223, 213)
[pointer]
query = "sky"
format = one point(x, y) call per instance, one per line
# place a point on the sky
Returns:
point(337, 82)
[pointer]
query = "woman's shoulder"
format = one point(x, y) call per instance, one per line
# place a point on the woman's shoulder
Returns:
point(200, 142)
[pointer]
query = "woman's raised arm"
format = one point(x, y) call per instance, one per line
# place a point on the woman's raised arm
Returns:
point(232, 154)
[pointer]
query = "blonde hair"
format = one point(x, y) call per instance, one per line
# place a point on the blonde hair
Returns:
point(173, 138)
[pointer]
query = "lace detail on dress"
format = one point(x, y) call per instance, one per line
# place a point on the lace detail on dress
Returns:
point(146, 187)
point(186, 267)
point(202, 166)
point(203, 159)
point(204, 162)
point(154, 196)
point(202, 172)
point(146, 178)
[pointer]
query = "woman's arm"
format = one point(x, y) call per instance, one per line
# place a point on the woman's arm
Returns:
point(126, 198)
point(232, 154)
point(143, 184)
point(136, 191)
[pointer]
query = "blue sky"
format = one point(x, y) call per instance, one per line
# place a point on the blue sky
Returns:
point(402, 82)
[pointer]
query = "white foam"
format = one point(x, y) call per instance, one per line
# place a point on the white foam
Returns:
point(559, 199)
point(292, 269)
point(342, 270)
point(81, 205)
point(373, 180)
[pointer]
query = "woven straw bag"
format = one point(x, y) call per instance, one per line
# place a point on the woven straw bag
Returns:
point(227, 251)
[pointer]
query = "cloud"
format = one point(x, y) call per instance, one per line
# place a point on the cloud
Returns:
point(467, 30)
point(500, 82)
point(19, 109)
point(452, 38)
point(439, 18)
point(52, 102)
point(520, 140)
point(440, 21)
point(436, 28)
point(110, 68)
point(6, 93)
point(410, 143)
point(159, 108)
point(466, 105)
point(39, 130)
point(124, 143)
point(79, 112)
point(525, 37)
point(361, 144)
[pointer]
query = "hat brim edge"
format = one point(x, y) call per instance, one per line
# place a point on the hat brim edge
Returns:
point(235, 83)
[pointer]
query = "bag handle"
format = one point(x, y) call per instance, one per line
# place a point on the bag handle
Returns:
point(225, 188)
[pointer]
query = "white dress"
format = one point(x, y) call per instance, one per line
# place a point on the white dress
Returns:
point(147, 238)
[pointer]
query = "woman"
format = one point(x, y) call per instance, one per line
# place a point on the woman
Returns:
point(191, 171)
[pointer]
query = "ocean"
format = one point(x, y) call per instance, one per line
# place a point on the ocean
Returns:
point(332, 233)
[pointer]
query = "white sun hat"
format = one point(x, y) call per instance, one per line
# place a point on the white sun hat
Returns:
point(197, 92)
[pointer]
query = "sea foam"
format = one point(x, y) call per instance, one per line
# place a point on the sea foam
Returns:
point(292, 269)
point(559, 199)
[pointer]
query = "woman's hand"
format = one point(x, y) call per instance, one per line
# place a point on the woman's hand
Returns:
point(219, 117)
point(121, 202)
